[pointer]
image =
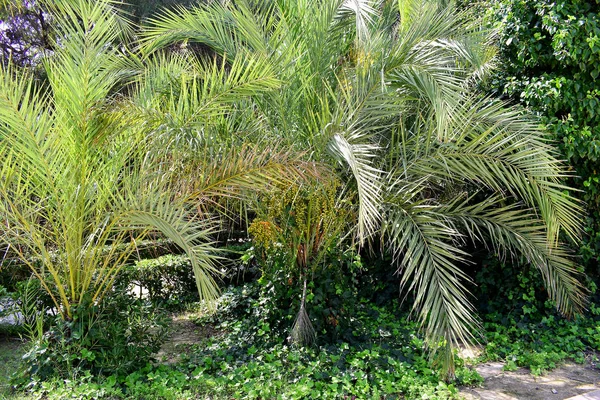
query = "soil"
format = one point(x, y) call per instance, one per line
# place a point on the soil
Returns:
point(565, 382)
point(184, 333)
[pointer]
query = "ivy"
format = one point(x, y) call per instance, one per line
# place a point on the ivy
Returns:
point(550, 63)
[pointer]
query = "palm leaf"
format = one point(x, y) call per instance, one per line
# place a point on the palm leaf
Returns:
point(428, 256)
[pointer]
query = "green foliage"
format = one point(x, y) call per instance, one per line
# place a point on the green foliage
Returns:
point(275, 373)
point(550, 62)
point(521, 323)
point(32, 304)
point(326, 374)
point(29, 304)
point(381, 92)
point(330, 299)
point(84, 168)
point(268, 307)
point(72, 178)
point(389, 362)
point(169, 279)
point(11, 351)
point(117, 336)
point(373, 337)
point(298, 234)
point(12, 272)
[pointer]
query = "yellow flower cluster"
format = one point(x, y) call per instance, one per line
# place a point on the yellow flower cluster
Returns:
point(264, 233)
point(295, 214)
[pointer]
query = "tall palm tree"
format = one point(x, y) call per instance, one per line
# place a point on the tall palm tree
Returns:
point(384, 91)
point(82, 167)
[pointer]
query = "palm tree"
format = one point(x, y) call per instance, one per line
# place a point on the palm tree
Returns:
point(493, 181)
point(83, 167)
point(383, 91)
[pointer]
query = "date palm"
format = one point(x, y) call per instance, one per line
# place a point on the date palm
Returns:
point(384, 93)
point(86, 171)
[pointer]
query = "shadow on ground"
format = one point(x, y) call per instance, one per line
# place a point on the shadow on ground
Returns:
point(184, 333)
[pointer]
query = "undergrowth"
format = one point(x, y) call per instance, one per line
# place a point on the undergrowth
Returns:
point(252, 361)
point(375, 353)
point(523, 328)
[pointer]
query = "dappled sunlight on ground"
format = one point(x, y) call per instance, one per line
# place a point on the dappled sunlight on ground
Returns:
point(562, 383)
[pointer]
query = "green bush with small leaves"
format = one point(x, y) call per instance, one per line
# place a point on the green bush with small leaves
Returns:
point(166, 279)
point(550, 63)
point(117, 336)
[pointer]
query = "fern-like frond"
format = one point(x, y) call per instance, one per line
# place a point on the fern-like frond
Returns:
point(426, 250)
point(516, 231)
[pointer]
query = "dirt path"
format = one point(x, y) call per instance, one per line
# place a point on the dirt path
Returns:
point(184, 333)
point(565, 382)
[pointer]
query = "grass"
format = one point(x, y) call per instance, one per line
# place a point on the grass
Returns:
point(11, 351)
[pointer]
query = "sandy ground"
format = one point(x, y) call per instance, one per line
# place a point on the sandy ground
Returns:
point(567, 381)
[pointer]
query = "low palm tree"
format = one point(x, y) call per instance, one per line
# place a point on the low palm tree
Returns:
point(87, 162)
point(383, 91)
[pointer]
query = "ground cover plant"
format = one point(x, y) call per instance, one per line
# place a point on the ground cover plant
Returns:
point(522, 327)
point(248, 360)
point(345, 139)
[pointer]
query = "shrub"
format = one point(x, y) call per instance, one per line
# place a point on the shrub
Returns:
point(117, 336)
point(550, 62)
point(167, 279)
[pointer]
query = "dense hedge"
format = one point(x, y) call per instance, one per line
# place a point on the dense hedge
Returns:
point(550, 63)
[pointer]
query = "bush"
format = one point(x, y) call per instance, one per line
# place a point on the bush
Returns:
point(550, 62)
point(168, 279)
point(118, 336)
point(11, 273)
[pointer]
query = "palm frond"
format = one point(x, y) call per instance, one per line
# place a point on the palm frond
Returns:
point(426, 250)
point(191, 235)
point(363, 11)
point(513, 230)
point(494, 147)
point(192, 96)
point(212, 25)
point(359, 157)
point(242, 172)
